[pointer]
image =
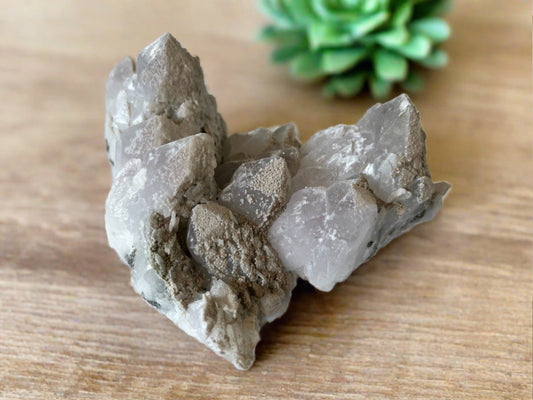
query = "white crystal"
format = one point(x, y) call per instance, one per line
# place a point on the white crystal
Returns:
point(168, 82)
point(384, 154)
point(323, 231)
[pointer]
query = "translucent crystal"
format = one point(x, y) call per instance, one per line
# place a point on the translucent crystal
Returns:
point(385, 155)
point(322, 231)
point(167, 82)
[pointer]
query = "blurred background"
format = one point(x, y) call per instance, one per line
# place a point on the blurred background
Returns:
point(443, 312)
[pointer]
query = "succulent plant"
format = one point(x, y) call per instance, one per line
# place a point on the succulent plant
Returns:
point(348, 43)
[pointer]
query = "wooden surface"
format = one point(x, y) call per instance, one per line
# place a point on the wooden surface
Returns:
point(444, 312)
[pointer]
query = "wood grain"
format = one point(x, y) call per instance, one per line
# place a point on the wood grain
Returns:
point(444, 312)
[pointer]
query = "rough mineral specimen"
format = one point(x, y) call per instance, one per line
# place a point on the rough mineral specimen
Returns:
point(215, 229)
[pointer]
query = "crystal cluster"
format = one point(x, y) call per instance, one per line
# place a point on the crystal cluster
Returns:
point(217, 228)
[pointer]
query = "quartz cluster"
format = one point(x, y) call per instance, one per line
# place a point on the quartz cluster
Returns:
point(216, 229)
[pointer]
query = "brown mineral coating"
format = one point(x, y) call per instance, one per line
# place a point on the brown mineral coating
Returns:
point(267, 180)
point(233, 250)
point(185, 279)
point(282, 141)
point(166, 236)
point(259, 190)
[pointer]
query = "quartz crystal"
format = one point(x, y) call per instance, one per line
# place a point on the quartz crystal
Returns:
point(357, 188)
point(216, 229)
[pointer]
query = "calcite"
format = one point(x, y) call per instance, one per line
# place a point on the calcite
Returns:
point(217, 228)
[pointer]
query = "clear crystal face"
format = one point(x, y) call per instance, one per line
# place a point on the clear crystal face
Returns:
point(216, 229)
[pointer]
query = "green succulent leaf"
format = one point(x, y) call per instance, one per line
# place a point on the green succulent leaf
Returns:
point(431, 8)
point(345, 85)
point(324, 11)
point(273, 34)
point(437, 59)
point(285, 53)
point(417, 48)
point(379, 88)
point(335, 61)
point(301, 12)
point(390, 66)
point(306, 66)
point(434, 28)
point(328, 35)
point(367, 23)
point(276, 11)
point(393, 37)
point(402, 14)
point(414, 82)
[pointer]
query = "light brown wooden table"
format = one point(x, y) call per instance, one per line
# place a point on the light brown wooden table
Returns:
point(444, 312)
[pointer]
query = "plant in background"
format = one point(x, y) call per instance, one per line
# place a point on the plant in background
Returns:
point(348, 43)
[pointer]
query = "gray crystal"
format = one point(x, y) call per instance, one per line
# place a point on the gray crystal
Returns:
point(324, 230)
point(215, 229)
point(282, 141)
point(258, 190)
point(168, 82)
point(385, 155)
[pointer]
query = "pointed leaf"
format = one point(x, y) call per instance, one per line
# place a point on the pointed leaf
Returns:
point(285, 53)
point(431, 8)
point(368, 23)
point(414, 82)
point(330, 14)
point(390, 66)
point(380, 88)
point(328, 35)
point(301, 12)
point(437, 59)
point(370, 6)
point(417, 48)
point(273, 34)
point(275, 10)
point(434, 28)
point(393, 37)
point(335, 61)
point(347, 85)
point(402, 14)
point(306, 66)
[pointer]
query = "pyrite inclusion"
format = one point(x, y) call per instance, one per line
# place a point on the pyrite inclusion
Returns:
point(215, 229)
